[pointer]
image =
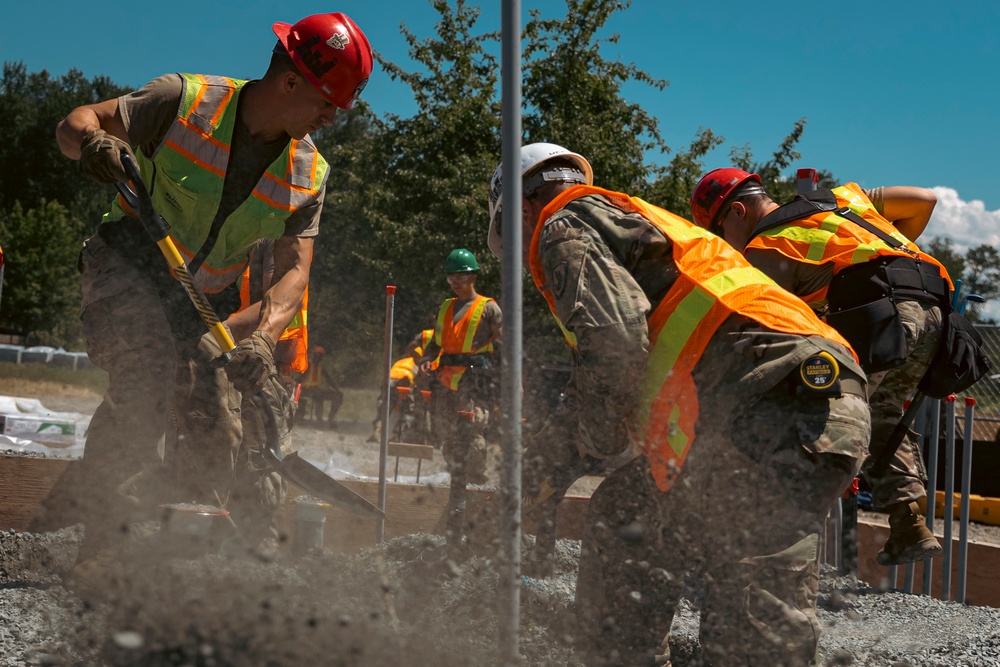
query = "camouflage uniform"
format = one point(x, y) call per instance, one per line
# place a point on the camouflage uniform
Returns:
point(906, 477)
point(461, 436)
point(139, 326)
point(763, 470)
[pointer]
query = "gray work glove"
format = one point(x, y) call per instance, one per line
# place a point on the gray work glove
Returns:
point(101, 157)
point(251, 363)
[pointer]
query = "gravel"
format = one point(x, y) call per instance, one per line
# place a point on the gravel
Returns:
point(402, 603)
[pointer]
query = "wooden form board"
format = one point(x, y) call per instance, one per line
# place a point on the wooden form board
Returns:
point(415, 508)
point(25, 481)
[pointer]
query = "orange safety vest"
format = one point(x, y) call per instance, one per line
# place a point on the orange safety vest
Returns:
point(297, 329)
point(715, 282)
point(313, 376)
point(457, 337)
point(826, 237)
point(406, 368)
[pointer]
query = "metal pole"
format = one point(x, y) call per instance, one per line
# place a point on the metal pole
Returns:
point(920, 426)
point(932, 466)
point(949, 493)
point(963, 525)
point(510, 381)
point(383, 453)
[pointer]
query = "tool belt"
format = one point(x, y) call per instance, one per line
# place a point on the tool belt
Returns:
point(129, 239)
point(862, 306)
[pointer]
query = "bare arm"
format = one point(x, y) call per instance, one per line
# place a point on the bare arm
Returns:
point(292, 258)
point(908, 208)
point(81, 120)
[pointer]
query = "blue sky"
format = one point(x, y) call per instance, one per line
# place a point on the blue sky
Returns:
point(893, 92)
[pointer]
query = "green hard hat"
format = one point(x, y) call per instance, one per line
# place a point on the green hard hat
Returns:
point(461, 261)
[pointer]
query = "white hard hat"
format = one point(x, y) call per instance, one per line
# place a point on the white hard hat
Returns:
point(532, 155)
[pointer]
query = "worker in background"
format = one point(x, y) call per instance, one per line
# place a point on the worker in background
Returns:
point(319, 386)
point(467, 328)
point(227, 162)
point(733, 387)
point(872, 284)
point(404, 374)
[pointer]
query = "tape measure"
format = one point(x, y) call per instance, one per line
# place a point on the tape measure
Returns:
point(820, 374)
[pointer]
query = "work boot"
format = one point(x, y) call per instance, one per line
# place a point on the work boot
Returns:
point(909, 538)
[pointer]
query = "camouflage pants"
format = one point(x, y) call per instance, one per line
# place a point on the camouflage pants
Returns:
point(459, 422)
point(906, 477)
point(157, 385)
point(745, 515)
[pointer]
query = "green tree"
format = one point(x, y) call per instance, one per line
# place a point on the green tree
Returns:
point(31, 104)
point(942, 249)
point(573, 96)
point(981, 276)
point(41, 285)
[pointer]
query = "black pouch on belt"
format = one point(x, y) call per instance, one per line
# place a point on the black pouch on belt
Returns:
point(863, 306)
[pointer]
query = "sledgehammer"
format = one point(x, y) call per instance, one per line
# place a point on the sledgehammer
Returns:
point(292, 467)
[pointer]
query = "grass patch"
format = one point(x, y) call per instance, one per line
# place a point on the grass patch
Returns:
point(14, 378)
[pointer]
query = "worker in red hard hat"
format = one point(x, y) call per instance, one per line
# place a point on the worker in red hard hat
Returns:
point(228, 161)
point(849, 253)
point(732, 387)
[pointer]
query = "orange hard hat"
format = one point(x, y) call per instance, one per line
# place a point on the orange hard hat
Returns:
point(332, 53)
point(319, 349)
point(713, 190)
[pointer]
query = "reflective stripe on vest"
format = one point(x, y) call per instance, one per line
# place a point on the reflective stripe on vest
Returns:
point(714, 282)
point(457, 337)
point(826, 237)
point(186, 174)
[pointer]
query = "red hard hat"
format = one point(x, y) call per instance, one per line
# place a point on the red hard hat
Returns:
point(319, 350)
point(713, 189)
point(332, 53)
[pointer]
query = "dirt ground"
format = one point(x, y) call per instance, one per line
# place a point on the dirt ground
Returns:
point(401, 603)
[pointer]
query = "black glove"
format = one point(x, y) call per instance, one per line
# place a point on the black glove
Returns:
point(101, 157)
point(252, 362)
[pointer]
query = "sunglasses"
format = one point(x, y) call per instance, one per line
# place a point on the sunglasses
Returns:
point(716, 226)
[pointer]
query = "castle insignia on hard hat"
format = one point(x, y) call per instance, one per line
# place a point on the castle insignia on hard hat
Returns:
point(339, 41)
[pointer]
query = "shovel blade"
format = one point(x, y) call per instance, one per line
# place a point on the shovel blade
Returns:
point(296, 469)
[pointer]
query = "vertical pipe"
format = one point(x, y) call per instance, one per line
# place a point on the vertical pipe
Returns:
point(920, 426)
point(949, 494)
point(383, 452)
point(510, 382)
point(893, 577)
point(838, 532)
point(932, 466)
point(963, 526)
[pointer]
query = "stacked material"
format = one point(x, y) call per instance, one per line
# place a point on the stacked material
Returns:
point(26, 426)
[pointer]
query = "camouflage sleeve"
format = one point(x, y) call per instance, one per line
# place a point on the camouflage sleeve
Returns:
point(604, 307)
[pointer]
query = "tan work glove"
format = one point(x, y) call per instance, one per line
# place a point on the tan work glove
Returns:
point(252, 363)
point(101, 157)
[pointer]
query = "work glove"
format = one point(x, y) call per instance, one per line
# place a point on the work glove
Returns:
point(101, 157)
point(251, 363)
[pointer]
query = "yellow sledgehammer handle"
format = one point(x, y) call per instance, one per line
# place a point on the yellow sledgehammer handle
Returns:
point(137, 197)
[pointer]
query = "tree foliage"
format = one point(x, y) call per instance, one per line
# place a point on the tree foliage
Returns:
point(403, 191)
point(31, 104)
point(41, 284)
